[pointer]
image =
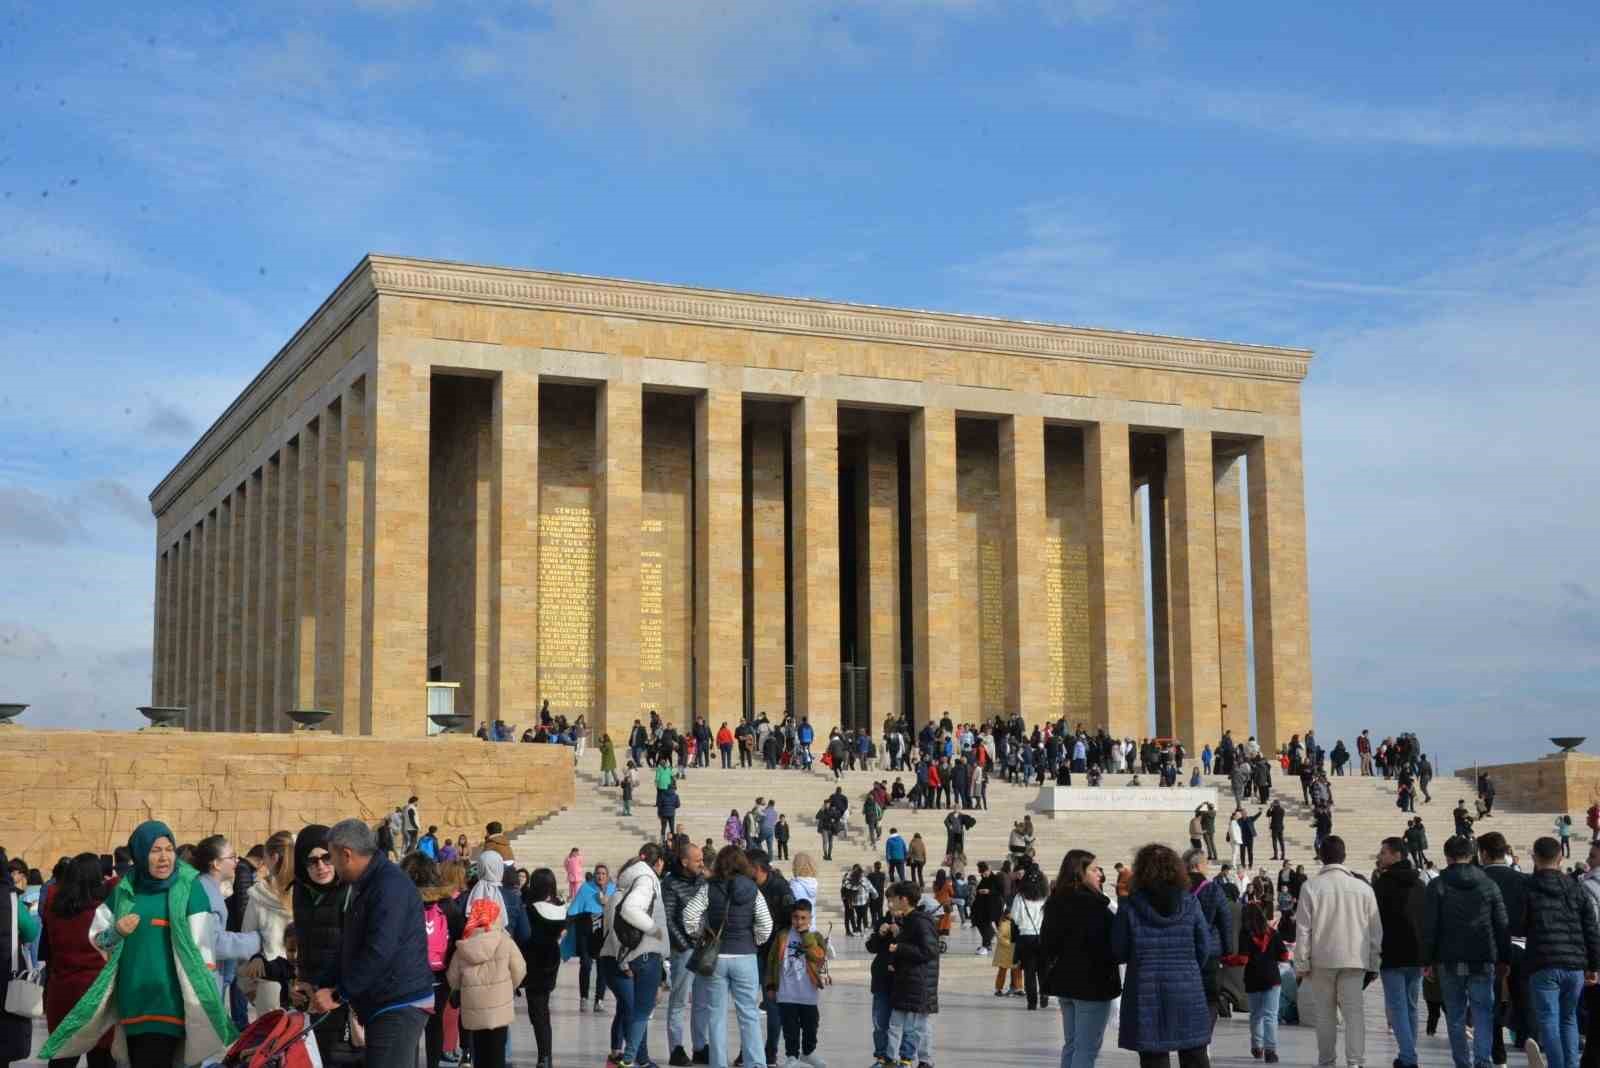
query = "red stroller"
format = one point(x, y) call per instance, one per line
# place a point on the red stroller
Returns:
point(277, 1039)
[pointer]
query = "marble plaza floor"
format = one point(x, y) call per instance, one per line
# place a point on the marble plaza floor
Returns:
point(974, 1029)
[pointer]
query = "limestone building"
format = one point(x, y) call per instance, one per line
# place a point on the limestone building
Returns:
point(620, 496)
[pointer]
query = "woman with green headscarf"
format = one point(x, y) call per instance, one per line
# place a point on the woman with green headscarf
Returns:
point(157, 931)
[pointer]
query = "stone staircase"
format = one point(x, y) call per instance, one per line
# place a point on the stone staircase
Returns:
point(1364, 814)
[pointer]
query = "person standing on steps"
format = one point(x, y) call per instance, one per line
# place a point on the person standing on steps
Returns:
point(917, 857)
point(895, 852)
point(667, 803)
point(608, 761)
point(780, 835)
point(1208, 828)
point(1275, 817)
point(989, 906)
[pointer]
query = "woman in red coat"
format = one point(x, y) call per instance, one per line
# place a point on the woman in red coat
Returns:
point(73, 959)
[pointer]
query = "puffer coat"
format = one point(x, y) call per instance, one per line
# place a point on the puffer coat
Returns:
point(916, 965)
point(1163, 998)
point(487, 968)
point(1562, 929)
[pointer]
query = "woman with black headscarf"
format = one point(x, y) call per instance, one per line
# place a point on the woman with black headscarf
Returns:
point(317, 899)
point(157, 990)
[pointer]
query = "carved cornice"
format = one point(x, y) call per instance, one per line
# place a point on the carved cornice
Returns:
point(583, 294)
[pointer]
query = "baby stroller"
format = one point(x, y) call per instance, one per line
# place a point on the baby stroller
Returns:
point(277, 1039)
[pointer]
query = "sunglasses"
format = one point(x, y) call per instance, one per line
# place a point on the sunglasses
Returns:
point(319, 858)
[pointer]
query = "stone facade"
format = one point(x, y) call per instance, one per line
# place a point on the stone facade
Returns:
point(84, 791)
point(1560, 782)
point(525, 483)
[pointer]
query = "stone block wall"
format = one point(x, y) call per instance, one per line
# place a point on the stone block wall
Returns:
point(76, 791)
point(1560, 782)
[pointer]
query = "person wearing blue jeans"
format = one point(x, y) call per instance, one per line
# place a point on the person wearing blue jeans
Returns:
point(644, 976)
point(690, 997)
point(1396, 887)
point(1469, 998)
point(392, 1036)
point(1466, 942)
point(1562, 955)
point(738, 975)
point(1402, 987)
point(1083, 1029)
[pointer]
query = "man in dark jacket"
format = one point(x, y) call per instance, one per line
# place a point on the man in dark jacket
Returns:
point(1563, 953)
point(1275, 816)
point(1219, 922)
point(1493, 853)
point(1466, 941)
point(989, 906)
point(914, 952)
point(382, 969)
point(879, 943)
point(682, 880)
point(780, 899)
point(1400, 892)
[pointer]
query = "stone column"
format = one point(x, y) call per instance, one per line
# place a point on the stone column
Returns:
point(1196, 679)
point(514, 569)
point(1140, 667)
point(935, 564)
point(1114, 587)
point(767, 572)
point(878, 562)
point(1278, 585)
point(1232, 657)
point(180, 620)
point(394, 615)
point(161, 620)
point(1022, 504)
point(221, 616)
point(253, 602)
point(286, 574)
point(814, 535)
point(1160, 604)
point(619, 481)
point(718, 556)
point(199, 636)
point(349, 646)
point(308, 567)
point(268, 519)
point(238, 602)
point(329, 693)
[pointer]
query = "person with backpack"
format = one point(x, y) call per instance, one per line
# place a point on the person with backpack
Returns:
point(547, 922)
point(637, 939)
point(443, 921)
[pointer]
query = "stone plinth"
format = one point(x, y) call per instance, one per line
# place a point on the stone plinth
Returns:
point(76, 791)
point(1560, 782)
point(1055, 799)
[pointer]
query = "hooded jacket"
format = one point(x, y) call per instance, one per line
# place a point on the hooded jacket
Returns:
point(1164, 942)
point(1400, 893)
point(639, 903)
point(1563, 931)
point(316, 908)
point(916, 965)
point(487, 968)
point(1464, 920)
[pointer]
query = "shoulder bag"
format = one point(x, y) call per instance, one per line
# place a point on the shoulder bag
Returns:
point(703, 957)
point(25, 991)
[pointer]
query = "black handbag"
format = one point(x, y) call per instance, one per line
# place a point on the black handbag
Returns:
point(703, 957)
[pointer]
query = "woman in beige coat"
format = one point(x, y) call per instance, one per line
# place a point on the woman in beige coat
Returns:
point(269, 909)
point(487, 968)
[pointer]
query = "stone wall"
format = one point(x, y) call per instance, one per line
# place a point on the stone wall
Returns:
point(75, 791)
point(1560, 782)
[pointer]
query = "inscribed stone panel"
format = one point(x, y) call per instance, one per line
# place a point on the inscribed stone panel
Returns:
point(566, 548)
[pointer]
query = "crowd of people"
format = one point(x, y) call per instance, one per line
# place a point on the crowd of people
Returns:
point(399, 943)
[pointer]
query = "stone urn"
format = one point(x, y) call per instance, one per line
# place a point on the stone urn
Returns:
point(1567, 745)
point(9, 713)
point(309, 719)
point(165, 717)
point(450, 722)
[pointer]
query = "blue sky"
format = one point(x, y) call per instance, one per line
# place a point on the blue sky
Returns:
point(1408, 189)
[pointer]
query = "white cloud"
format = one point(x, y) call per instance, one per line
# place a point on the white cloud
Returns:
point(1509, 121)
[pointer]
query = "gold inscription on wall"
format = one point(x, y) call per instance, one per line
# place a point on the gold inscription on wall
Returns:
point(991, 627)
point(1055, 627)
point(566, 609)
point(1066, 591)
point(652, 646)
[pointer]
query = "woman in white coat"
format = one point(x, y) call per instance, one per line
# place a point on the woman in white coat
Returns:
point(1235, 837)
point(269, 910)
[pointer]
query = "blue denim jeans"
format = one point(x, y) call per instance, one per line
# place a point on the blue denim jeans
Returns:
point(912, 1026)
point(739, 976)
point(1264, 1018)
point(611, 978)
point(690, 997)
point(881, 1011)
point(1553, 995)
point(646, 969)
point(1402, 987)
point(1472, 993)
point(1083, 1028)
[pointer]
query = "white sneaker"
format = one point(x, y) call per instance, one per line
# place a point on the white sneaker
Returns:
point(813, 1060)
point(1536, 1059)
point(982, 952)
